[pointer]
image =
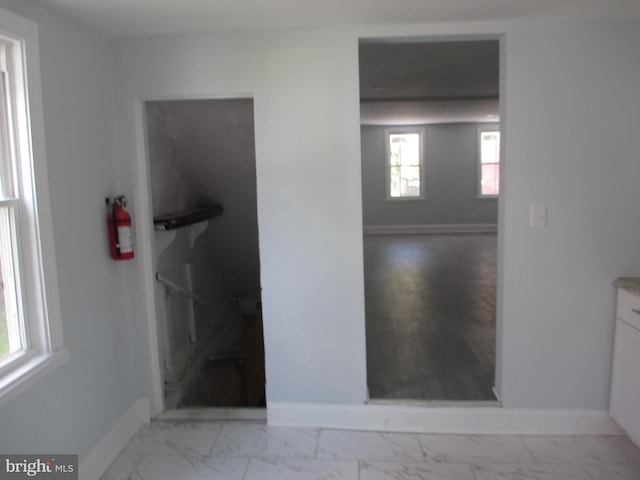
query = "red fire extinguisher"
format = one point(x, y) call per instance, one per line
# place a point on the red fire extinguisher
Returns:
point(120, 234)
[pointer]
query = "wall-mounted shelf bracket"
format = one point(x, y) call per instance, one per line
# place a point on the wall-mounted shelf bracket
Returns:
point(184, 218)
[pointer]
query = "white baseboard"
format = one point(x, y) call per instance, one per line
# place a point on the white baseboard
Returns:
point(209, 414)
point(454, 420)
point(106, 451)
point(429, 229)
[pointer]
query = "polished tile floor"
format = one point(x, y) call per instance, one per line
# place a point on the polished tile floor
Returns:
point(250, 451)
point(430, 303)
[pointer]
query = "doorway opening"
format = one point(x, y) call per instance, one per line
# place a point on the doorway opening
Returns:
point(202, 171)
point(430, 133)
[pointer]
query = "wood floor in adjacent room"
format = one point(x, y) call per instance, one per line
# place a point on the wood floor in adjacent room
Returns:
point(430, 316)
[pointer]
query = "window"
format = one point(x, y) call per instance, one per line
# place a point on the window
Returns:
point(489, 161)
point(30, 329)
point(404, 164)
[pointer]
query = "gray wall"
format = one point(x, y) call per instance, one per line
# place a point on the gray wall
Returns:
point(70, 410)
point(450, 169)
point(304, 86)
point(202, 152)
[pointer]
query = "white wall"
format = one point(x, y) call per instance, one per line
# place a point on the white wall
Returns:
point(571, 111)
point(72, 409)
point(304, 86)
point(450, 180)
point(572, 116)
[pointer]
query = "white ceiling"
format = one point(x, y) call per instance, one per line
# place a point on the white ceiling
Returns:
point(451, 70)
point(408, 83)
point(130, 18)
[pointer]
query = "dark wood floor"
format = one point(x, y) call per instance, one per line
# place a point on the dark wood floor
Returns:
point(430, 316)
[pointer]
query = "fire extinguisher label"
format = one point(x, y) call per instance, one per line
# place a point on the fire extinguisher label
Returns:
point(126, 240)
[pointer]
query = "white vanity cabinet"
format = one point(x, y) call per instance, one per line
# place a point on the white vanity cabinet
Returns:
point(624, 405)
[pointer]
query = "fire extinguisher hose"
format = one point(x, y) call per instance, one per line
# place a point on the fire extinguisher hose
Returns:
point(115, 227)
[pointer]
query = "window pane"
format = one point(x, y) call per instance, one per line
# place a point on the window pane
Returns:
point(395, 159)
point(4, 331)
point(6, 173)
point(410, 183)
point(405, 164)
point(405, 182)
point(490, 142)
point(10, 327)
point(490, 181)
point(394, 182)
point(490, 163)
point(405, 149)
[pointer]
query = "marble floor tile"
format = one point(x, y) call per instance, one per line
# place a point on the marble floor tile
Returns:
point(584, 449)
point(530, 472)
point(296, 469)
point(247, 440)
point(369, 446)
point(251, 451)
point(123, 466)
point(474, 449)
point(177, 438)
point(414, 471)
point(181, 467)
point(629, 471)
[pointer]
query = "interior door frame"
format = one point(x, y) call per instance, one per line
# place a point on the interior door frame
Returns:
point(500, 37)
point(143, 208)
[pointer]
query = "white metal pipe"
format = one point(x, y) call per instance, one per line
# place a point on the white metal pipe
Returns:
point(177, 288)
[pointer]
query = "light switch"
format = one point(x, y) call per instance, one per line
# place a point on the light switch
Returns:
point(538, 216)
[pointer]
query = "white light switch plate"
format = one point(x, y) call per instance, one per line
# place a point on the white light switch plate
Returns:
point(538, 216)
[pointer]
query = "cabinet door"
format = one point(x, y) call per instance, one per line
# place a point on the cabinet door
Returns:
point(625, 384)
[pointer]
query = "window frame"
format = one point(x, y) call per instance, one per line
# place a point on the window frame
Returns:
point(420, 131)
point(480, 131)
point(32, 230)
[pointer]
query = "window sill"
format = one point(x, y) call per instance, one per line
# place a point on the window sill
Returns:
point(487, 197)
point(17, 381)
